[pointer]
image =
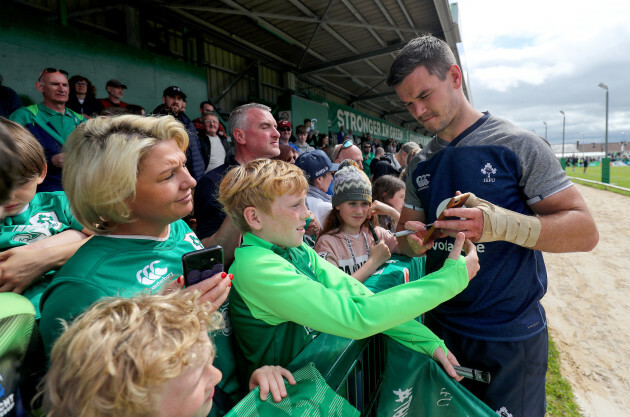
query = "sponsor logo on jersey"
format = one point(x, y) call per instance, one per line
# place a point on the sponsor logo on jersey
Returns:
point(404, 397)
point(49, 219)
point(503, 412)
point(422, 181)
point(151, 273)
point(29, 237)
point(488, 170)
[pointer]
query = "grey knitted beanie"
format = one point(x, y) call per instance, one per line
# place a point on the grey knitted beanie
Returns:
point(351, 184)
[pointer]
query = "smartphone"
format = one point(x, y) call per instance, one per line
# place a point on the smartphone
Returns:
point(201, 260)
point(457, 201)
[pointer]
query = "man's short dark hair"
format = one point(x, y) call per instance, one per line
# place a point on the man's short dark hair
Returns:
point(307, 121)
point(428, 51)
point(205, 102)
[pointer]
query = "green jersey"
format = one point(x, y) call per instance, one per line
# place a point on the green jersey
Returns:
point(113, 265)
point(47, 214)
point(282, 296)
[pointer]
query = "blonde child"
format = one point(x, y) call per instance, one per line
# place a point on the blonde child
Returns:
point(346, 239)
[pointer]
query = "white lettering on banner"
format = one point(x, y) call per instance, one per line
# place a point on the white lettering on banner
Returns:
point(7, 405)
point(445, 399)
point(353, 121)
point(405, 398)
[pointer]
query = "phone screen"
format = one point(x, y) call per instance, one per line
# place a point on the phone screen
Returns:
point(194, 263)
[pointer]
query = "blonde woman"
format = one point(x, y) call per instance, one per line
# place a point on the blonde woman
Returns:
point(127, 182)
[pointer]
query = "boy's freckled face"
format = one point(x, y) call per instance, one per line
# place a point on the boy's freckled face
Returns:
point(284, 225)
point(21, 196)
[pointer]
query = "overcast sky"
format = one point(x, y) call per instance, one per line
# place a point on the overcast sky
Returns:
point(527, 60)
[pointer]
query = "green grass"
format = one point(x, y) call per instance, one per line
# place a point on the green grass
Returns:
point(560, 399)
point(619, 176)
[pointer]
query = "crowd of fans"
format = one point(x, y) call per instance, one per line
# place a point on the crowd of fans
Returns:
point(99, 203)
point(130, 179)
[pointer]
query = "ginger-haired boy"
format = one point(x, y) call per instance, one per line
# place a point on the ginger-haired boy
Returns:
point(283, 291)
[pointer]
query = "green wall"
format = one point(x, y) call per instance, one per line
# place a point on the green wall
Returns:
point(29, 45)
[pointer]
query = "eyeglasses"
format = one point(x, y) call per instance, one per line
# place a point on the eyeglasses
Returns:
point(51, 70)
point(284, 129)
point(81, 83)
point(209, 122)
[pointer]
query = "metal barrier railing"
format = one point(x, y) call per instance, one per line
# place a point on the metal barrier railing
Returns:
point(352, 368)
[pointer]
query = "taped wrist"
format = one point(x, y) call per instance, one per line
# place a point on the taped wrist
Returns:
point(507, 225)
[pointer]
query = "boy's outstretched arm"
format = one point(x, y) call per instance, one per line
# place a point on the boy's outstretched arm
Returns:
point(22, 265)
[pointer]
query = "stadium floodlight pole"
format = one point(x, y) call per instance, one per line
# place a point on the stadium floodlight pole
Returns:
point(545, 123)
point(563, 120)
point(605, 87)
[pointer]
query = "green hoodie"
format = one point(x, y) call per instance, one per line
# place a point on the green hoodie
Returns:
point(282, 297)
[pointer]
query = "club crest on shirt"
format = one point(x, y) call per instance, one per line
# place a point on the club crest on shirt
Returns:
point(422, 181)
point(193, 240)
point(48, 219)
point(488, 170)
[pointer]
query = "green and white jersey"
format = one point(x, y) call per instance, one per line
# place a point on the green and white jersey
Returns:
point(113, 265)
point(46, 215)
point(282, 296)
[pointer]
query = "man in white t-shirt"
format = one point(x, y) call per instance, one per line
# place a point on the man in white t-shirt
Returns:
point(214, 148)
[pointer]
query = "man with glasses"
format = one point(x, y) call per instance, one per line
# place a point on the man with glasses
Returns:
point(214, 148)
point(50, 122)
point(284, 128)
point(348, 150)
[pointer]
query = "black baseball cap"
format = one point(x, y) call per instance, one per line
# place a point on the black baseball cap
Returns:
point(173, 91)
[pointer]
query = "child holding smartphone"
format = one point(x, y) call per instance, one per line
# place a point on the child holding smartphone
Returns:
point(346, 240)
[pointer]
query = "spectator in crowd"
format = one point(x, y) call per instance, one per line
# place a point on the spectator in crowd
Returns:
point(50, 122)
point(255, 136)
point(301, 144)
point(287, 154)
point(213, 148)
point(172, 99)
point(499, 325)
point(158, 346)
point(126, 182)
point(391, 191)
point(412, 154)
point(368, 156)
point(81, 98)
point(394, 164)
point(346, 240)
point(319, 173)
point(38, 234)
point(136, 109)
point(350, 135)
point(115, 91)
point(284, 128)
point(340, 135)
point(324, 144)
point(348, 150)
point(9, 100)
point(378, 154)
point(283, 287)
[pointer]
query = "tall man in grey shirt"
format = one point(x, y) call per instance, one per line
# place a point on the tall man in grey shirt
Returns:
point(523, 204)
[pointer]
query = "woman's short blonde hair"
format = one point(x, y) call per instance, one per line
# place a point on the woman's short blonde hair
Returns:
point(257, 184)
point(102, 159)
point(115, 358)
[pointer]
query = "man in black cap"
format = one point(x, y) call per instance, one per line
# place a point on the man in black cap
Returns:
point(115, 90)
point(172, 100)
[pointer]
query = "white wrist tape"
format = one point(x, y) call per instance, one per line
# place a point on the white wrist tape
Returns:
point(507, 225)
